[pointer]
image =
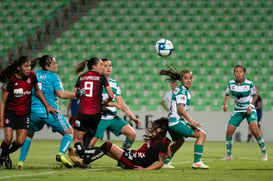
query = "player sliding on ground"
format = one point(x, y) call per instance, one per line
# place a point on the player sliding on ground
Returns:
point(151, 155)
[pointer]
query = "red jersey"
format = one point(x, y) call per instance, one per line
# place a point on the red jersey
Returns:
point(148, 153)
point(19, 98)
point(92, 82)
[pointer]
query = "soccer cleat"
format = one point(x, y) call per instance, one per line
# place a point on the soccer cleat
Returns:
point(264, 157)
point(227, 157)
point(8, 162)
point(168, 165)
point(61, 158)
point(79, 162)
point(200, 165)
point(20, 165)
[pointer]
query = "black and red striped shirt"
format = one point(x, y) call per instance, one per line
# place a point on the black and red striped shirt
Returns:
point(19, 98)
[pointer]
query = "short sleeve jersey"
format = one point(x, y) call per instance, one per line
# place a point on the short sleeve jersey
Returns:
point(92, 82)
point(49, 83)
point(19, 98)
point(148, 153)
point(180, 95)
point(243, 93)
point(111, 111)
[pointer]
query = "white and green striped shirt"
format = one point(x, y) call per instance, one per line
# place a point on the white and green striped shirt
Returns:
point(117, 92)
point(243, 94)
point(180, 95)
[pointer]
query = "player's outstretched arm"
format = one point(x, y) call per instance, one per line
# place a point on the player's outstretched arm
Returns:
point(127, 110)
point(159, 164)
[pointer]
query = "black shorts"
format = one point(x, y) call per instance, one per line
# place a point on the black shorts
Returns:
point(72, 121)
point(128, 159)
point(86, 122)
point(16, 121)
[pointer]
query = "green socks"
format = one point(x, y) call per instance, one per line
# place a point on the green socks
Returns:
point(261, 143)
point(198, 152)
point(229, 145)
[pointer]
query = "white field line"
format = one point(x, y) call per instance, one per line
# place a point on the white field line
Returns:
point(43, 173)
point(92, 169)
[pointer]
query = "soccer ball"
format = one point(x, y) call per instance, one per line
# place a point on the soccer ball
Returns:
point(164, 47)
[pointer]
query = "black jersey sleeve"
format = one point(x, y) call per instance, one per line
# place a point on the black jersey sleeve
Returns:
point(163, 147)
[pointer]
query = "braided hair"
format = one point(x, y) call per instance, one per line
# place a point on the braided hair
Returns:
point(159, 123)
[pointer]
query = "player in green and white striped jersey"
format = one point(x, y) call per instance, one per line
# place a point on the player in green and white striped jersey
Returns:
point(245, 95)
point(181, 125)
point(110, 120)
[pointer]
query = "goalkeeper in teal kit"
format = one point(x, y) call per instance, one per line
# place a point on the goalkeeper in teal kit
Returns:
point(51, 85)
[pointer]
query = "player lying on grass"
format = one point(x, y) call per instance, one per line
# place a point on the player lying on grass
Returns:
point(151, 155)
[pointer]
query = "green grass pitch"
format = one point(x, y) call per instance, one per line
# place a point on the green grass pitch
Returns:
point(246, 165)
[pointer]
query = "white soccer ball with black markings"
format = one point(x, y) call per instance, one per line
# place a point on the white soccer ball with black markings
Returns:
point(164, 47)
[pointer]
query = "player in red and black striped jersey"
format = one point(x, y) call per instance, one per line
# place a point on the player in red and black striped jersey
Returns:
point(15, 105)
point(90, 106)
point(151, 155)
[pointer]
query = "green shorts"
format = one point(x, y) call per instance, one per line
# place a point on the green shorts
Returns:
point(237, 117)
point(180, 130)
point(114, 125)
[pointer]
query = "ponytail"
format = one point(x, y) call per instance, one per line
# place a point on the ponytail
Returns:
point(43, 61)
point(80, 67)
point(34, 63)
point(173, 73)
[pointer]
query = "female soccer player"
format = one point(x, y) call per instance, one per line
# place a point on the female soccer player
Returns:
point(110, 120)
point(51, 85)
point(243, 90)
point(149, 156)
point(90, 107)
point(18, 81)
point(180, 123)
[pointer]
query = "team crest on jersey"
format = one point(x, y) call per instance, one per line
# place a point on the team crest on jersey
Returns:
point(246, 88)
point(7, 121)
point(29, 80)
point(15, 84)
point(232, 87)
